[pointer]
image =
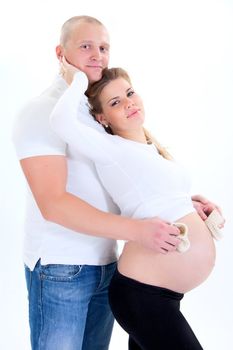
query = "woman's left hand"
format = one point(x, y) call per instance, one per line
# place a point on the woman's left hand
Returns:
point(67, 70)
point(204, 207)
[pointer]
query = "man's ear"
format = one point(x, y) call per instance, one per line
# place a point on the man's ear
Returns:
point(59, 52)
point(101, 119)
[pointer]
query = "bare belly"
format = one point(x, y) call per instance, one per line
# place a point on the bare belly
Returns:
point(180, 272)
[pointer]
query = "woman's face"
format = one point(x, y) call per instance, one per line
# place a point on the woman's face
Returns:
point(122, 108)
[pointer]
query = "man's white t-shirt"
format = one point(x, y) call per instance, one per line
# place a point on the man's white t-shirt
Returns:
point(50, 242)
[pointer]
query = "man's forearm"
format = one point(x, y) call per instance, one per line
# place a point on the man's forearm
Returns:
point(72, 212)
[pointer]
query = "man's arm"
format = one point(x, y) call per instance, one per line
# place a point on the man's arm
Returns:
point(47, 177)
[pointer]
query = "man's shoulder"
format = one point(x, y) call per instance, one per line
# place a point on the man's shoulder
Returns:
point(40, 107)
point(55, 90)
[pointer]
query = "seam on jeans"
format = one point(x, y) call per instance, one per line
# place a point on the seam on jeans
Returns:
point(40, 305)
point(30, 285)
point(104, 273)
point(102, 277)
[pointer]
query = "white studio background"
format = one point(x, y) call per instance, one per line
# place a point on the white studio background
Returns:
point(179, 54)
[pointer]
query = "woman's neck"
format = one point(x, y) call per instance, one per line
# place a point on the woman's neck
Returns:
point(134, 135)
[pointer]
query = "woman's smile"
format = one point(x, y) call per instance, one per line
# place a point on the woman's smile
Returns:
point(133, 112)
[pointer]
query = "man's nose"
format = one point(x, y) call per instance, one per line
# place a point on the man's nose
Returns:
point(95, 54)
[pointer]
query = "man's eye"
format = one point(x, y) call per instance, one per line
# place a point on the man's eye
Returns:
point(85, 46)
point(103, 49)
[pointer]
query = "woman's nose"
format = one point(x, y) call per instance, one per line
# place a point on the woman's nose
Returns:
point(129, 103)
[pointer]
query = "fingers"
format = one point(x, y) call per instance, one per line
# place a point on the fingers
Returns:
point(167, 247)
point(199, 198)
point(64, 65)
point(201, 209)
point(64, 62)
point(163, 237)
point(173, 241)
point(169, 242)
point(173, 230)
point(67, 70)
point(204, 207)
point(169, 239)
point(209, 208)
point(201, 213)
point(163, 251)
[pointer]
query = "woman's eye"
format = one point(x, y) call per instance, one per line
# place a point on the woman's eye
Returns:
point(130, 93)
point(114, 103)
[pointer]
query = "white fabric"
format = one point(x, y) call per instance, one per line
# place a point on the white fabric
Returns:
point(140, 181)
point(33, 136)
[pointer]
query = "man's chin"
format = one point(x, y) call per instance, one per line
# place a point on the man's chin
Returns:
point(95, 77)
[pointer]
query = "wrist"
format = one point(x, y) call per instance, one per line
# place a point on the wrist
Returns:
point(134, 230)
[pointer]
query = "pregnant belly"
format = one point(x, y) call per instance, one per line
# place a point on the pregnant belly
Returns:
point(177, 271)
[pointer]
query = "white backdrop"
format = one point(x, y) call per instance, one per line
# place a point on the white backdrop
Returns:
point(179, 54)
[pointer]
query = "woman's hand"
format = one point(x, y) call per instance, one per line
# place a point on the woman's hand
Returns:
point(204, 207)
point(67, 70)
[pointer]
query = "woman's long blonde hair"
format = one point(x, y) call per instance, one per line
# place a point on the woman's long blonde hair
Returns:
point(93, 92)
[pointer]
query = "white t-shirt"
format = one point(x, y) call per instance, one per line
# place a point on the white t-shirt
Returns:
point(52, 243)
point(140, 181)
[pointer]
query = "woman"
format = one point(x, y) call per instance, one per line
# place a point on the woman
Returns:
point(144, 182)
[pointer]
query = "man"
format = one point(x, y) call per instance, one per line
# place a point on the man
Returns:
point(70, 242)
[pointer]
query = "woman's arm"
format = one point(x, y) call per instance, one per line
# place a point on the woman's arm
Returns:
point(66, 123)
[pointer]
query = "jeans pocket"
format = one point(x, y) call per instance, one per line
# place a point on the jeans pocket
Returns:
point(60, 272)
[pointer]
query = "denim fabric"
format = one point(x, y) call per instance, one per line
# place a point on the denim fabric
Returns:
point(68, 306)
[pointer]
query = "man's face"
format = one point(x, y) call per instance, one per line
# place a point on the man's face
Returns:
point(87, 48)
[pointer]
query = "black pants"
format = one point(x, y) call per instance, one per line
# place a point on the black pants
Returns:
point(150, 315)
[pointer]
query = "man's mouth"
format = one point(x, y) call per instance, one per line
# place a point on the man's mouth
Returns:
point(95, 66)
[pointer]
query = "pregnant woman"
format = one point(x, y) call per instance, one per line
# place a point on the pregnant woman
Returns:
point(144, 181)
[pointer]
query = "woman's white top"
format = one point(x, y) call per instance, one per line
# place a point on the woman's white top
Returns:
point(140, 181)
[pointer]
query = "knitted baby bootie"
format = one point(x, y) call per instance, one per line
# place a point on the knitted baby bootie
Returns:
point(184, 245)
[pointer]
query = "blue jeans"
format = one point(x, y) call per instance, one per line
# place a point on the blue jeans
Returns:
point(68, 306)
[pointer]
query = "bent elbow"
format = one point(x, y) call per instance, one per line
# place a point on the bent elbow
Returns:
point(48, 210)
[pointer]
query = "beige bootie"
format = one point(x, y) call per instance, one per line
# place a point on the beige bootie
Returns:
point(184, 245)
point(213, 221)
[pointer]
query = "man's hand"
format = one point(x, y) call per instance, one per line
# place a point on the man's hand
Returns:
point(67, 70)
point(158, 235)
point(204, 207)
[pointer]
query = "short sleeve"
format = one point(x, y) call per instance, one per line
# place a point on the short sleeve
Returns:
point(32, 134)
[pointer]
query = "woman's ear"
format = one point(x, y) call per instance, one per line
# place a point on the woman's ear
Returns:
point(101, 119)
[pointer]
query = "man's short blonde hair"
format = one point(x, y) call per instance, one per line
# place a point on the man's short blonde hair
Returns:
point(73, 21)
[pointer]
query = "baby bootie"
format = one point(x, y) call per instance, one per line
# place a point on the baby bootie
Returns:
point(184, 245)
point(213, 221)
